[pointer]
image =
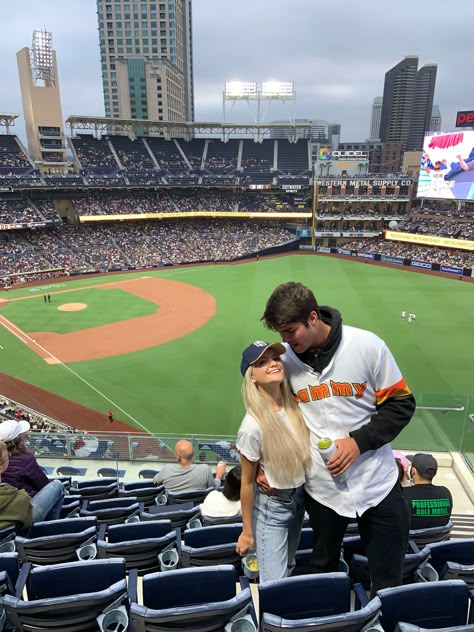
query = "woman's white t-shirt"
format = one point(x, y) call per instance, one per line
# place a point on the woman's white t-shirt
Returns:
point(216, 505)
point(249, 443)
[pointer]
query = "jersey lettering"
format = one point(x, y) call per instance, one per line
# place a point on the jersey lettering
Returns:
point(319, 392)
point(341, 389)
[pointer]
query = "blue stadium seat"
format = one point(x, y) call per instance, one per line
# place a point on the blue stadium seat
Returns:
point(435, 605)
point(71, 506)
point(145, 492)
point(139, 543)
point(359, 564)
point(7, 537)
point(191, 599)
point(67, 597)
point(179, 515)
point(111, 510)
point(421, 537)
point(195, 496)
point(211, 545)
point(408, 627)
point(69, 470)
point(207, 521)
point(97, 489)
point(313, 602)
point(110, 472)
point(454, 559)
point(10, 564)
point(56, 541)
point(147, 473)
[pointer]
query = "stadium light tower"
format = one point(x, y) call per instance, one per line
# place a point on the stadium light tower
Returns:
point(266, 92)
point(41, 56)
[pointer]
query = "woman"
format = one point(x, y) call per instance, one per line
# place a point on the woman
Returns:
point(272, 435)
point(23, 470)
point(225, 503)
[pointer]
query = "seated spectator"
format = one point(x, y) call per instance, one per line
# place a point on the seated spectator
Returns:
point(185, 475)
point(225, 503)
point(18, 509)
point(430, 505)
point(23, 471)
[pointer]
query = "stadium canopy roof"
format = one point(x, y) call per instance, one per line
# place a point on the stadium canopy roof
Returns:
point(6, 120)
point(174, 129)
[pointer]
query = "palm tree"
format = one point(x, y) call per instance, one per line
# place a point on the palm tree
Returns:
point(361, 166)
point(328, 167)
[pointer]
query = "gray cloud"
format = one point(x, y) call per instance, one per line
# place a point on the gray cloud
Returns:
point(336, 53)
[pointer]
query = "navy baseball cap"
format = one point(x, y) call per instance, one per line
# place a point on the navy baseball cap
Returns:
point(425, 464)
point(254, 351)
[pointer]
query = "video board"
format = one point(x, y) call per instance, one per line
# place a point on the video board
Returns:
point(447, 167)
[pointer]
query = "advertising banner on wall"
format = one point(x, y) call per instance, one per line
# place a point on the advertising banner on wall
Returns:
point(447, 167)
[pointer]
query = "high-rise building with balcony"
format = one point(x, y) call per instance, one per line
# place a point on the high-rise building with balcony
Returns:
point(374, 132)
point(146, 57)
point(407, 105)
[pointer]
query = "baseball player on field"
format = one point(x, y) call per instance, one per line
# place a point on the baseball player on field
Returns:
point(351, 390)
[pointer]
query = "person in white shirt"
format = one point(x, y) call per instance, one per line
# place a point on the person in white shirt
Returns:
point(349, 389)
point(403, 314)
point(225, 503)
point(273, 435)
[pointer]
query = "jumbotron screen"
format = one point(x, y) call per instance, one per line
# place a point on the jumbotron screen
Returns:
point(447, 167)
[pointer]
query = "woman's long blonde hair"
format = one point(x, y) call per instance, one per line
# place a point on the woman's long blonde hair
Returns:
point(285, 449)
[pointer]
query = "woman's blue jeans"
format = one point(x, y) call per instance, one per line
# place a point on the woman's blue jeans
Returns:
point(47, 503)
point(277, 522)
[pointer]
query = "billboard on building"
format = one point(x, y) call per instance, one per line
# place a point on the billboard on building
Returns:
point(447, 167)
point(324, 153)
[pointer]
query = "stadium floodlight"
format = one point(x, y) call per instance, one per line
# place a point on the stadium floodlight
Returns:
point(240, 90)
point(41, 57)
point(278, 89)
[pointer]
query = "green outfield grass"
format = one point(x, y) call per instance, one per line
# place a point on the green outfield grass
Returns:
point(104, 306)
point(192, 385)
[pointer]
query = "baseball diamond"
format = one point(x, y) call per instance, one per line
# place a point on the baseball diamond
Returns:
point(163, 349)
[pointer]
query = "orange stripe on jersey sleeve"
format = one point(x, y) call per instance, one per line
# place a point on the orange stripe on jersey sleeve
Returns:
point(400, 389)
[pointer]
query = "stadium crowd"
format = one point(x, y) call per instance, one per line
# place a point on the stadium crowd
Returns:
point(442, 256)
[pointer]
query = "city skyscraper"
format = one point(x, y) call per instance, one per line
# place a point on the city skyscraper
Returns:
point(436, 120)
point(374, 132)
point(146, 58)
point(407, 105)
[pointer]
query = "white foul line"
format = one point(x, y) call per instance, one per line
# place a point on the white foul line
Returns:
point(11, 326)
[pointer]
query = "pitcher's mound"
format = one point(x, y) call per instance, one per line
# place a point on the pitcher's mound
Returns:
point(72, 307)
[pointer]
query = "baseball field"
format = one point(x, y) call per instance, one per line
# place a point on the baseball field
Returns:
point(162, 348)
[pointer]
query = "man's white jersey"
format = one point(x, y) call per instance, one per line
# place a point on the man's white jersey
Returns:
point(340, 399)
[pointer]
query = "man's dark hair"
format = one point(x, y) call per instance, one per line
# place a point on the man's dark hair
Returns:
point(232, 484)
point(289, 303)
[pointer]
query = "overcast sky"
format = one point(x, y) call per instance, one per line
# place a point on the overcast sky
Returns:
point(336, 52)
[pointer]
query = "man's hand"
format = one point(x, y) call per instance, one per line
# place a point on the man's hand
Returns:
point(245, 543)
point(261, 481)
point(347, 452)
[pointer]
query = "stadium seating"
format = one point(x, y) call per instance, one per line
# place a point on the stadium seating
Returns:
point(147, 473)
point(110, 472)
point(429, 605)
point(147, 493)
point(454, 560)
point(56, 541)
point(96, 489)
point(111, 510)
point(67, 597)
point(179, 515)
point(10, 564)
point(191, 599)
point(354, 555)
point(139, 543)
point(313, 602)
point(431, 534)
point(211, 545)
point(195, 496)
point(69, 470)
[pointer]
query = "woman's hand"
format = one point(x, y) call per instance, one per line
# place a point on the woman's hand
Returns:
point(245, 543)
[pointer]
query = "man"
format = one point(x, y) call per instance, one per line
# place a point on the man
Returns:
point(185, 475)
point(430, 505)
point(351, 390)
